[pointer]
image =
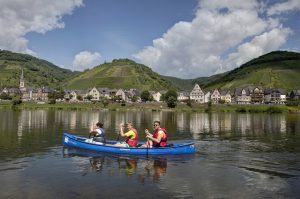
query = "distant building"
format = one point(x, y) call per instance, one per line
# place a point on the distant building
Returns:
point(215, 96)
point(295, 95)
point(242, 96)
point(226, 97)
point(207, 97)
point(156, 96)
point(183, 95)
point(274, 96)
point(197, 94)
point(257, 95)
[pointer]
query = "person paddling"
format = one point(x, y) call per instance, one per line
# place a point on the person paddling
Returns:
point(131, 136)
point(98, 133)
point(158, 139)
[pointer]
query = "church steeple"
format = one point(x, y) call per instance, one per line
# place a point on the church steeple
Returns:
point(22, 82)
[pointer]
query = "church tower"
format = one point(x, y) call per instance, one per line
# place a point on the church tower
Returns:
point(22, 82)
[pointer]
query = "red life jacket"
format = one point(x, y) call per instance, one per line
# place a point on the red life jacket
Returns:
point(163, 141)
point(133, 142)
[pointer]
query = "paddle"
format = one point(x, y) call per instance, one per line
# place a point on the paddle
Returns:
point(91, 129)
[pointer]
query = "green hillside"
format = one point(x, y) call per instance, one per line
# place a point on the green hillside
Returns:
point(279, 69)
point(37, 72)
point(120, 73)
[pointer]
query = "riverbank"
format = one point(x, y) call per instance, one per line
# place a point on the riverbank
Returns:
point(154, 106)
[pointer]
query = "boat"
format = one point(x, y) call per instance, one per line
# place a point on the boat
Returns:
point(108, 147)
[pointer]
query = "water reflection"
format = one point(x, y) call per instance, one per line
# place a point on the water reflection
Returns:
point(152, 167)
point(195, 123)
point(27, 130)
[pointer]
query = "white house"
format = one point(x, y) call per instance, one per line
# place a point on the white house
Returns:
point(122, 94)
point(207, 97)
point(94, 92)
point(242, 96)
point(156, 96)
point(197, 94)
point(215, 96)
point(183, 95)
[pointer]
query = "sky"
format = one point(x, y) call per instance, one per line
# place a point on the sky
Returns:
point(180, 38)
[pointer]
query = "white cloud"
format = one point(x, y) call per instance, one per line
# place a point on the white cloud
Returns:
point(17, 18)
point(86, 59)
point(197, 48)
point(259, 45)
point(284, 7)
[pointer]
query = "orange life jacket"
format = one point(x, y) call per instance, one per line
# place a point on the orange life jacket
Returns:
point(133, 142)
point(163, 141)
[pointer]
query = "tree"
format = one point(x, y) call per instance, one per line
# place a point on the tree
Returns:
point(5, 96)
point(171, 102)
point(145, 96)
point(89, 97)
point(79, 97)
point(171, 98)
point(134, 98)
point(105, 102)
point(16, 100)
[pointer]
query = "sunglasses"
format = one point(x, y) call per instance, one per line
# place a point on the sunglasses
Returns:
point(155, 124)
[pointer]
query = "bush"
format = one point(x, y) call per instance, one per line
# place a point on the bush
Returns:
point(123, 103)
point(171, 102)
point(16, 100)
point(293, 103)
point(273, 109)
point(52, 101)
point(241, 110)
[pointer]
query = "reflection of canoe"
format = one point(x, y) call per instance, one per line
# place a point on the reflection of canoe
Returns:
point(80, 142)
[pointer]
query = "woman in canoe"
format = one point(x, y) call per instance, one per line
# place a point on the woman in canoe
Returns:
point(131, 136)
point(98, 133)
point(158, 139)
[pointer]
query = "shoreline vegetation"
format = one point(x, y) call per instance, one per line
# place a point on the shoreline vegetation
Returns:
point(98, 106)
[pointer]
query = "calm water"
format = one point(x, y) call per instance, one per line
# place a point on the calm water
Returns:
point(238, 156)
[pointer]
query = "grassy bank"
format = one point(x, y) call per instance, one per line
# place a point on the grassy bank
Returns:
point(156, 107)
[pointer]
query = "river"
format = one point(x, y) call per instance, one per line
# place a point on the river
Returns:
point(239, 155)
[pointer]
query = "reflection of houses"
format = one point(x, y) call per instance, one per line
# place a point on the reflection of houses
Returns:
point(197, 94)
point(274, 96)
point(226, 97)
point(215, 96)
point(183, 95)
point(242, 96)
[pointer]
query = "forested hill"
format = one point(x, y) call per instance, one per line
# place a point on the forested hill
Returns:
point(120, 73)
point(278, 69)
point(37, 72)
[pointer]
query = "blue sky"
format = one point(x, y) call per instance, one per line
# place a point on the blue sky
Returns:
point(182, 38)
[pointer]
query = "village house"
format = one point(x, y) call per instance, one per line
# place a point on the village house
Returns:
point(197, 95)
point(257, 95)
point(207, 97)
point(122, 95)
point(156, 95)
point(94, 93)
point(183, 96)
point(294, 95)
point(274, 96)
point(242, 96)
point(215, 96)
point(226, 97)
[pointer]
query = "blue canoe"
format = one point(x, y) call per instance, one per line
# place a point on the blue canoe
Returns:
point(81, 142)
